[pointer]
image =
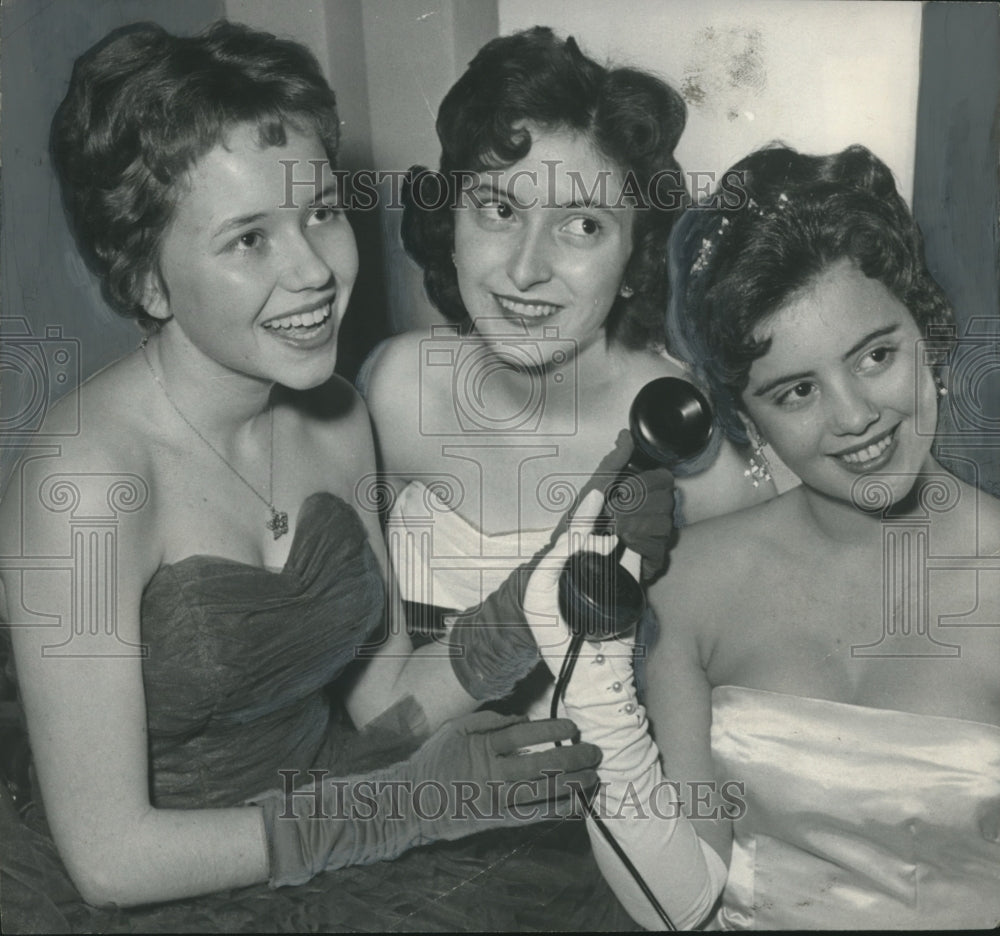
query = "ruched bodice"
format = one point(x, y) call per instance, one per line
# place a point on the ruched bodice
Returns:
point(237, 676)
point(857, 817)
point(239, 658)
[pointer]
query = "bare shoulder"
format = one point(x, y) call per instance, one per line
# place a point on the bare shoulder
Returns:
point(714, 565)
point(391, 373)
point(93, 457)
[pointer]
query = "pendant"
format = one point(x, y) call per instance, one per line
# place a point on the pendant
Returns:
point(278, 524)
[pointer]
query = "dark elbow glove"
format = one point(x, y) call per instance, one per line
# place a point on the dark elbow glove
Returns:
point(468, 777)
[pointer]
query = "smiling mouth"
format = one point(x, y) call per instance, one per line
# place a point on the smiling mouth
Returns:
point(302, 321)
point(526, 309)
point(862, 456)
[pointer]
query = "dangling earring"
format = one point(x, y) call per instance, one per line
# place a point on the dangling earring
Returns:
point(759, 469)
point(626, 291)
point(453, 258)
point(942, 390)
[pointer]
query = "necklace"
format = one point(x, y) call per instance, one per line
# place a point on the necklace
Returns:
point(278, 523)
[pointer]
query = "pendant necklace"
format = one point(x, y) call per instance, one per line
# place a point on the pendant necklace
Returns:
point(278, 523)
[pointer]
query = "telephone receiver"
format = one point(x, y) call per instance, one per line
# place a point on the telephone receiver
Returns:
point(671, 422)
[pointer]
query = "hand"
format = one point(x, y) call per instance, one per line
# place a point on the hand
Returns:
point(684, 873)
point(493, 650)
point(468, 777)
point(642, 505)
point(550, 631)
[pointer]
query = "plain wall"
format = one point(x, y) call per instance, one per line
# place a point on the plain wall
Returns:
point(815, 74)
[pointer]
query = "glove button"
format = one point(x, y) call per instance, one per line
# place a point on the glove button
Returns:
point(629, 708)
point(616, 687)
point(599, 659)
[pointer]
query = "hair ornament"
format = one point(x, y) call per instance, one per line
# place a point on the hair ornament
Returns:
point(709, 243)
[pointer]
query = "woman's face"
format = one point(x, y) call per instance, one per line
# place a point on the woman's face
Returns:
point(254, 271)
point(543, 244)
point(838, 392)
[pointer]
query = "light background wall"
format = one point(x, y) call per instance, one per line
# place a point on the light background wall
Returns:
point(817, 74)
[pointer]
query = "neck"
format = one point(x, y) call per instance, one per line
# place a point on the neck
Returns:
point(217, 399)
point(847, 524)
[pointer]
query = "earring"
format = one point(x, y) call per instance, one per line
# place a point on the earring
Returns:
point(626, 291)
point(759, 469)
point(453, 258)
point(942, 390)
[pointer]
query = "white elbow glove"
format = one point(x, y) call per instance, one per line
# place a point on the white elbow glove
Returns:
point(640, 808)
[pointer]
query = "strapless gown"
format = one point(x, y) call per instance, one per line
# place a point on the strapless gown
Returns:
point(442, 559)
point(238, 677)
point(857, 817)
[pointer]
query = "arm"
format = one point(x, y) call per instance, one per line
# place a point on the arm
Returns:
point(643, 812)
point(87, 719)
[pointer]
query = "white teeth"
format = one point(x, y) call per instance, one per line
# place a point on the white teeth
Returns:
point(868, 454)
point(303, 319)
point(527, 309)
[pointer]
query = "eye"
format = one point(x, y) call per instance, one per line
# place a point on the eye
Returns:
point(491, 213)
point(585, 227)
point(795, 394)
point(249, 240)
point(876, 358)
point(323, 214)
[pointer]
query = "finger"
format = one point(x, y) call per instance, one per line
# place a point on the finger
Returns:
point(487, 721)
point(631, 562)
point(511, 739)
point(552, 788)
point(587, 511)
point(567, 759)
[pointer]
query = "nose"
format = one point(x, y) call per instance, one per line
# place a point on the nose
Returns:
point(304, 266)
point(529, 262)
point(853, 411)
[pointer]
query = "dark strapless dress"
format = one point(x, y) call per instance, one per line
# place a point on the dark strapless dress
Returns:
point(240, 681)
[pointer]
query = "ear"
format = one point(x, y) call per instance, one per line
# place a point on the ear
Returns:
point(753, 433)
point(154, 297)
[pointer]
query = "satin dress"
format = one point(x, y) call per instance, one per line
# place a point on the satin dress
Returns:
point(857, 817)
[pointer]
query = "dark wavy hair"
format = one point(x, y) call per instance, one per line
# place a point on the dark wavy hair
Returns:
point(142, 107)
point(631, 117)
point(779, 219)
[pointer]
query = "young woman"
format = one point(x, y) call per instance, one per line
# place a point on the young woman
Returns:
point(543, 239)
point(178, 685)
point(825, 691)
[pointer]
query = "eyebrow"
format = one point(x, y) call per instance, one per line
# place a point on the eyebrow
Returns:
point(507, 195)
point(329, 191)
point(854, 349)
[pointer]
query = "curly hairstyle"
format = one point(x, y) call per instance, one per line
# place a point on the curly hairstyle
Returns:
point(778, 219)
point(631, 117)
point(142, 107)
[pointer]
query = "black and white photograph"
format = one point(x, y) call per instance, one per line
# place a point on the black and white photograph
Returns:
point(499, 465)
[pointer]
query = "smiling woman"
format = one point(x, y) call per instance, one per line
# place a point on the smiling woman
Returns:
point(831, 654)
point(549, 255)
point(194, 661)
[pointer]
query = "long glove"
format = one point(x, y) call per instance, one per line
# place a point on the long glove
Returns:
point(493, 647)
point(467, 777)
point(684, 873)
